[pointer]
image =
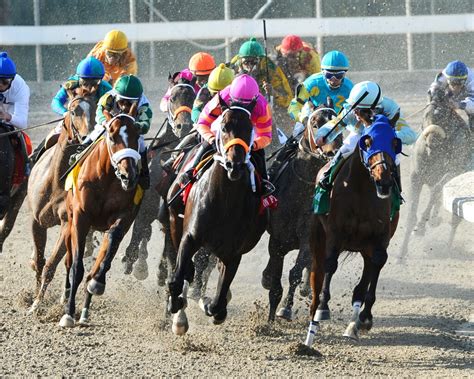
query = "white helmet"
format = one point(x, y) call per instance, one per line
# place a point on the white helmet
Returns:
point(368, 94)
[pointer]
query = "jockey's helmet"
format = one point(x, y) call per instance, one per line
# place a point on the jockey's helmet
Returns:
point(291, 44)
point(220, 78)
point(7, 66)
point(116, 41)
point(128, 87)
point(455, 71)
point(251, 48)
point(244, 89)
point(335, 61)
point(90, 68)
point(366, 94)
point(201, 64)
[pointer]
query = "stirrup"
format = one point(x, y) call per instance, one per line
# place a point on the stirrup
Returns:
point(267, 188)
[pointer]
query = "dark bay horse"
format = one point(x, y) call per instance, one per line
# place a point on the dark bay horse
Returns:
point(222, 214)
point(179, 126)
point(442, 152)
point(289, 223)
point(46, 193)
point(359, 221)
point(11, 197)
point(106, 198)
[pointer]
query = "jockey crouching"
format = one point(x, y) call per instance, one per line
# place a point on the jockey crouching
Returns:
point(14, 103)
point(457, 81)
point(127, 91)
point(369, 96)
point(241, 92)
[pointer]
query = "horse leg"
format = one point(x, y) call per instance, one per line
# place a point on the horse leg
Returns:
point(302, 260)
point(218, 307)
point(455, 221)
point(330, 267)
point(212, 263)
point(162, 273)
point(416, 187)
point(421, 226)
point(434, 216)
point(358, 296)
point(79, 231)
point(37, 260)
point(49, 269)
point(377, 262)
point(6, 225)
point(275, 269)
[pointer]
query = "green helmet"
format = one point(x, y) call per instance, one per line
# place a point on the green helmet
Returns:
point(128, 87)
point(251, 48)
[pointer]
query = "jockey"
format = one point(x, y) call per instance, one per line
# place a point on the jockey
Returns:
point(369, 96)
point(331, 82)
point(199, 68)
point(251, 60)
point(89, 74)
point(127, 91)
point(298, 59)
point(242, 91)
point(219, 78)
point(14, 101)
point(457, 81)
point(115, 55)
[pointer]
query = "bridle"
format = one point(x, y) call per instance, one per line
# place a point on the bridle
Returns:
point(314, 150)
point(172, 116)
point(75, 132)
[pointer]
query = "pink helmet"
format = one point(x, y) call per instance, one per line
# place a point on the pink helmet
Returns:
point(244, 88)
point(186, 74)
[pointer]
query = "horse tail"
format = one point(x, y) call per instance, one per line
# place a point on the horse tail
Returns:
point(433, 135)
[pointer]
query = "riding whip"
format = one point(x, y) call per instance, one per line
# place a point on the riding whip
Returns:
point(30, 127)
point(267, 73)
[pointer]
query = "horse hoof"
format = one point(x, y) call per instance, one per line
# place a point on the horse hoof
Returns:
point(140, 270)
point(34, 307)
point(220, 317)
point(285, 313)
point(33, 265)
point(66, 321)
point(366, 325)
point(127, 266)
point(322, 315)
point(352, 331)
point(266, 281)
point(162, 279)
point(95, 288)
point(204, 303)
point(180, 323)
point(175, 304)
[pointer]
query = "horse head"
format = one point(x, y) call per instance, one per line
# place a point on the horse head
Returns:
point(180, 104)
point(235, 137)
point(441, 111)
point(80, 118)
point(122, 144)
point(320, 116)
point(379, 147)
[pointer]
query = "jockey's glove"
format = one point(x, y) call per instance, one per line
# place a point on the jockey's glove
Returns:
point(461, 105)
point(298, 129)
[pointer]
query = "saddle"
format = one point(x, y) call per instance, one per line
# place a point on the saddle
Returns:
point(23, 148)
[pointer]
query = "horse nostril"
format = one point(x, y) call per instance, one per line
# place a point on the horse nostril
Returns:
point(228, 165)
point(179, 126)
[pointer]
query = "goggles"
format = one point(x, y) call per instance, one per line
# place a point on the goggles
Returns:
point(6, 81)
point(250, 61)
point(334, 74)
point(113, 54)
point(89, 82)
point(457, 81)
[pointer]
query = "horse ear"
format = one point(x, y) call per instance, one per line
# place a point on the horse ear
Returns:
point(193, 81)
point(107, 114)
point(222, 103)
point(365, 142)
point(329, 102)
point(70, 94)
point(133, 109)
point(397, 145)
point(252, 104)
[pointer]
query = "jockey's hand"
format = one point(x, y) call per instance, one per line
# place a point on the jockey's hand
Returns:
point(461, 105)
point(5, 116)
point(267, 87)
point(212, 142)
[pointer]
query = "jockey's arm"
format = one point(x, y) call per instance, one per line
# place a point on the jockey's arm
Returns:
point(301, 97)
point(21, 96)
point(143, 119)
point(208, 115)
point(99, 114)
point(164, 101)
point(263, 126)
point(328, 127)
point(469, 100)
point(405, 132)
point(283, 93)
point(59, 101)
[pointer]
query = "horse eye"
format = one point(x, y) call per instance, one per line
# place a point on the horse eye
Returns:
point(73, 113)
point(172, 99)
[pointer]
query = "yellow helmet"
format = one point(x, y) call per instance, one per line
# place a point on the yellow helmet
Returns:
point(220, 78)
point(115, 41)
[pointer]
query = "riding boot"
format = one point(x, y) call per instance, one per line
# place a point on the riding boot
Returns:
point(187, 175)
point(144, 178)
point(24, 153)
point(38, 152)
point(326, 179)
point(79, 149)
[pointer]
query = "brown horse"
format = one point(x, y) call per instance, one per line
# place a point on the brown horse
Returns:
point(288, 225)
point(46, 193)
point(100, 201)
point(221, 214)
point(358, 220)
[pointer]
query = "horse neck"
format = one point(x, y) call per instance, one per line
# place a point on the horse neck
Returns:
point(306, 163)
point(101, 161)
point(64, 149)
point(358, 173)
point(448, 119)
point(6, 163)
point(230, 192)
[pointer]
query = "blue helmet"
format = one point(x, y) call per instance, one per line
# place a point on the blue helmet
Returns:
point(455, 70)
point(7, 66)
point(90, 68)
point(335, 61)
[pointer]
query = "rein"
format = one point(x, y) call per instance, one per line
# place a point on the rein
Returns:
point(314, 150)
point(116, 157)
point(30, 127)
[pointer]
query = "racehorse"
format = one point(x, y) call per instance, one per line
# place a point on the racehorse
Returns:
point(222, 213)
point(441, 152)
point(98, 200)
point(11, 194)
point(46, 193)
point(359, 221)
point(289, 223)
point(179, 119)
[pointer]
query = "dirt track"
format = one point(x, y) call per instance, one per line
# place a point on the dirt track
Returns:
point(419, 306)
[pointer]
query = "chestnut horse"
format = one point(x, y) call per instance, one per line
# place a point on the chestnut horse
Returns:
point(99, 201)
point(359, 221)
point(46, 193)
point(222, 214)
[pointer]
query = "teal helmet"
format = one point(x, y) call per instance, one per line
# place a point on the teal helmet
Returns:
point(335, 61)
point(251, 48)
point(90, 68)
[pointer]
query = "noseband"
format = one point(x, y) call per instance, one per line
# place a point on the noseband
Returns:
point(172, 116)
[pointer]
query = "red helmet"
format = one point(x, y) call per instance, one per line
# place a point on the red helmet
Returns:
point(291, 44)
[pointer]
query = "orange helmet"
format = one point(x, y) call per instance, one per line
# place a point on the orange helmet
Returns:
point(201, 64)
point(291, 44)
